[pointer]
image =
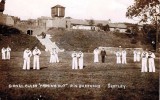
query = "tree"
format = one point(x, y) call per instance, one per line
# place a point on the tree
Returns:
point(145, 10)
point(100, 26)
point(148, 11)
point(106, 27)
point(91, 22)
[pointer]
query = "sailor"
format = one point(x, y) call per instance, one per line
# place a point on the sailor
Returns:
point(96, 53)
point(80, 60)
point(124, 53)
point(135, 55)
point(118, 55)
point(151, 57)
point(103, 54)
point(8, 49)
point(52, 56)
point(138, 56)
point(36, 53)
point(56, 55)
point(144, 56)
point(74, 60)
point(3, 51)
point(26, 56)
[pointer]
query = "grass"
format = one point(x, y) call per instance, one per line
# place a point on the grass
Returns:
point(139, 86)
point(17, 40)
point(88, 40)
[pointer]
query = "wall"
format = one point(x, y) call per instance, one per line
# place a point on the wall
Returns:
point(59, 22)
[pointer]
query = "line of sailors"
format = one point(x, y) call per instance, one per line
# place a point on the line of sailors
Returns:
point(6, 52)
point(120, 55)
point(36, 53)
point(147, 58)
point(77, 58)
point(27, 54)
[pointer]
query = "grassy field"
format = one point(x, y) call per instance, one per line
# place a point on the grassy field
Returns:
point(86, 41)
point(59, 82)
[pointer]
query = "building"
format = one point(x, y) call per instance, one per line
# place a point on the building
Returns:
point(58, 11)
point(121, 27)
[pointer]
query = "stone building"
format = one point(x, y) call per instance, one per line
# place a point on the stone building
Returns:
point(58, 11)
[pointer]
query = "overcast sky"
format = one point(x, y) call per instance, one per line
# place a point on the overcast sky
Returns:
point(78, 9)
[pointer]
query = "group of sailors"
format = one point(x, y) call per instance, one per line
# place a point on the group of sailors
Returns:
point(54, 56)
point(6, 52)
point(36, 53)
point(77, 58)
point(120, 55)
point(27, 54)
point(146, 56)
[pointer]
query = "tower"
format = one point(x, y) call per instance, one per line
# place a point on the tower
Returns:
point(58, 11)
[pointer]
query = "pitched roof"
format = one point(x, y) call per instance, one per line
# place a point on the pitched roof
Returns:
point(58, 6)
point(117, 25)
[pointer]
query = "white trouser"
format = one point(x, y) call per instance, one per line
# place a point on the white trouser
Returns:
point(26, 64)
point(124, 60)
point(138, 58)
point(135, 58)
point(36, 62)
point(151, 65)
point(8, 55)
point(144, 65)
point(80, 63)
point(52, 59)
point(56, 57)
point(118, 60)
point(3, 56)
point(74, 63)
point(96, 58)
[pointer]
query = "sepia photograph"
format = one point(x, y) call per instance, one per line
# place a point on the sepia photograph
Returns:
point(79, 49)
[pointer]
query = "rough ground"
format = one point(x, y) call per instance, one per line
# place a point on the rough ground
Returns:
point(139, 86)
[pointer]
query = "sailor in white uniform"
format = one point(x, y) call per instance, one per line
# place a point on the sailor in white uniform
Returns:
point(52, 56)
point(56, 55)
point(144, 56)
point(8, 49)
point(118, 55)
point(138, 56)
point(36, 53)
point(3, 51)
point(124, 53)
point(135, 55)
point(26, 56)
point(80, 60)
point(151, 57)
point(74, 60)
point(96, 53)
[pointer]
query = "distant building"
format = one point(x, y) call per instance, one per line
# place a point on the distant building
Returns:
point(9, 21)
point(58, 11)
point(121, 27)
point(45, 21)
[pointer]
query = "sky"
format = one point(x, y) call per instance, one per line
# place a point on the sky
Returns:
point(114, 10)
